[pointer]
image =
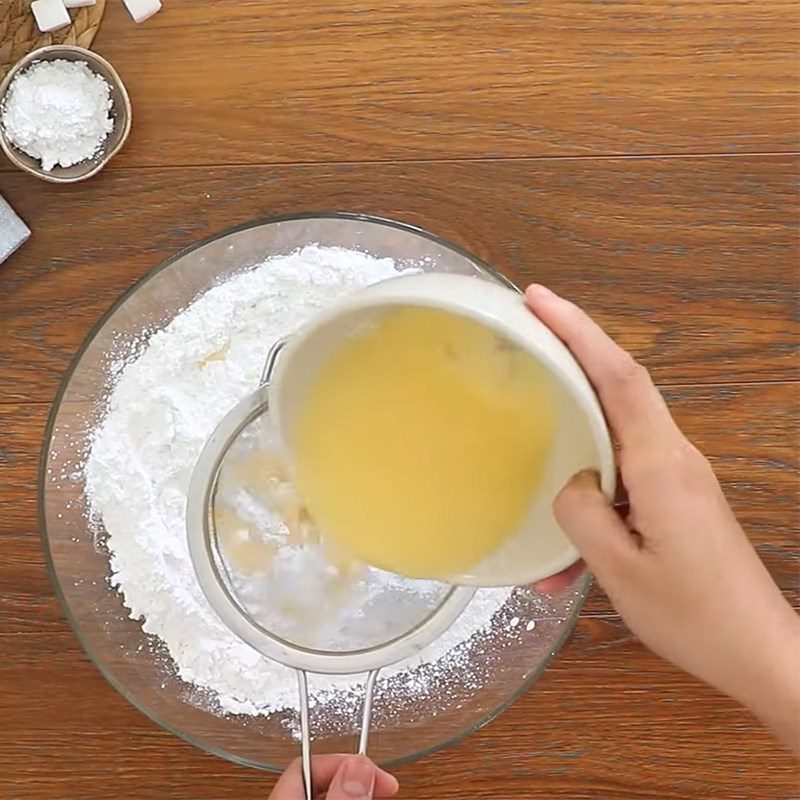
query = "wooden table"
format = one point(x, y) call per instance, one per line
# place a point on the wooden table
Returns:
point(636, 155)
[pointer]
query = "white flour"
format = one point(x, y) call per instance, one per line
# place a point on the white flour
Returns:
point(164, 406)
point(58, 111)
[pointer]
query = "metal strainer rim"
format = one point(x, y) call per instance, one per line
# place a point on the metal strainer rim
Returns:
point(200, 535)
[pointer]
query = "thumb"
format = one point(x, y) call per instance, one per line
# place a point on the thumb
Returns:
point(354, 780)
point(591, 524)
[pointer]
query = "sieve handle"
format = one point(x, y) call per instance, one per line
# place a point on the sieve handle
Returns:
point(272, 360)
point(369, 694)
point(305, 726)
point(305, 735)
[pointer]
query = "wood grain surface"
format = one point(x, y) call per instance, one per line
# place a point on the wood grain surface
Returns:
point(271, 81)
point(689, 262)
point(636, 155)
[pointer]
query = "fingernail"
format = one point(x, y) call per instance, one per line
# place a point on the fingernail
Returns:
point(537, 290)
point(587, 480)
point(358, 780)
point(585, 475)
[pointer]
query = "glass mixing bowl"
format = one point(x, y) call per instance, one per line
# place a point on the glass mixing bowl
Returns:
point(500, 664)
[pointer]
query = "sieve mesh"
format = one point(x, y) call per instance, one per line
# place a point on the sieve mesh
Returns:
point(282, 572)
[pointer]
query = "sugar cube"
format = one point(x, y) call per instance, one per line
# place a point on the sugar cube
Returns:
point(50, 15)
point(78, 3)
point(141, 10)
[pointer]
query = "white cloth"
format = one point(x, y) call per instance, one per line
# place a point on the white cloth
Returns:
point(13, 231)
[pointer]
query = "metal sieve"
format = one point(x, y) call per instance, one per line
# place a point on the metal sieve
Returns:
point(250, 602)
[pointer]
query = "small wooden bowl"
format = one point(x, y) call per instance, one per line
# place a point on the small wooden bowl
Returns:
point(121, 115)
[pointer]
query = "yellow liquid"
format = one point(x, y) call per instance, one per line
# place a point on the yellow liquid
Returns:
point(420, 445)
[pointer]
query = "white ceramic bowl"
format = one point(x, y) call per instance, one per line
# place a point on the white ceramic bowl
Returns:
point(539, 549)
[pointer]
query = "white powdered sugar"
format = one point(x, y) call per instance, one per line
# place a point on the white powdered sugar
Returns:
point(59, 112)
point(165, 404)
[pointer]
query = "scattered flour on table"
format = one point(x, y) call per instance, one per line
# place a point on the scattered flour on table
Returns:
point(165, 404)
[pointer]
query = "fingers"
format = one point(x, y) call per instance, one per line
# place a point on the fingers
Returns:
point(354, 780)
point(635, 409)
point(325, 768)
point(557, 583)
point(592, 525)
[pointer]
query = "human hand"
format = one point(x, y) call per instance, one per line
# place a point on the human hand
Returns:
point(679, 568)
point(341, 777)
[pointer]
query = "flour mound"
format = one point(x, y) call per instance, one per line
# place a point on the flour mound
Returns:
point(59, 112)
point(166, 402)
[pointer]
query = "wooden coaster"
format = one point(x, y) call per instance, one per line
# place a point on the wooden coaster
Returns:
point(19, 34)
